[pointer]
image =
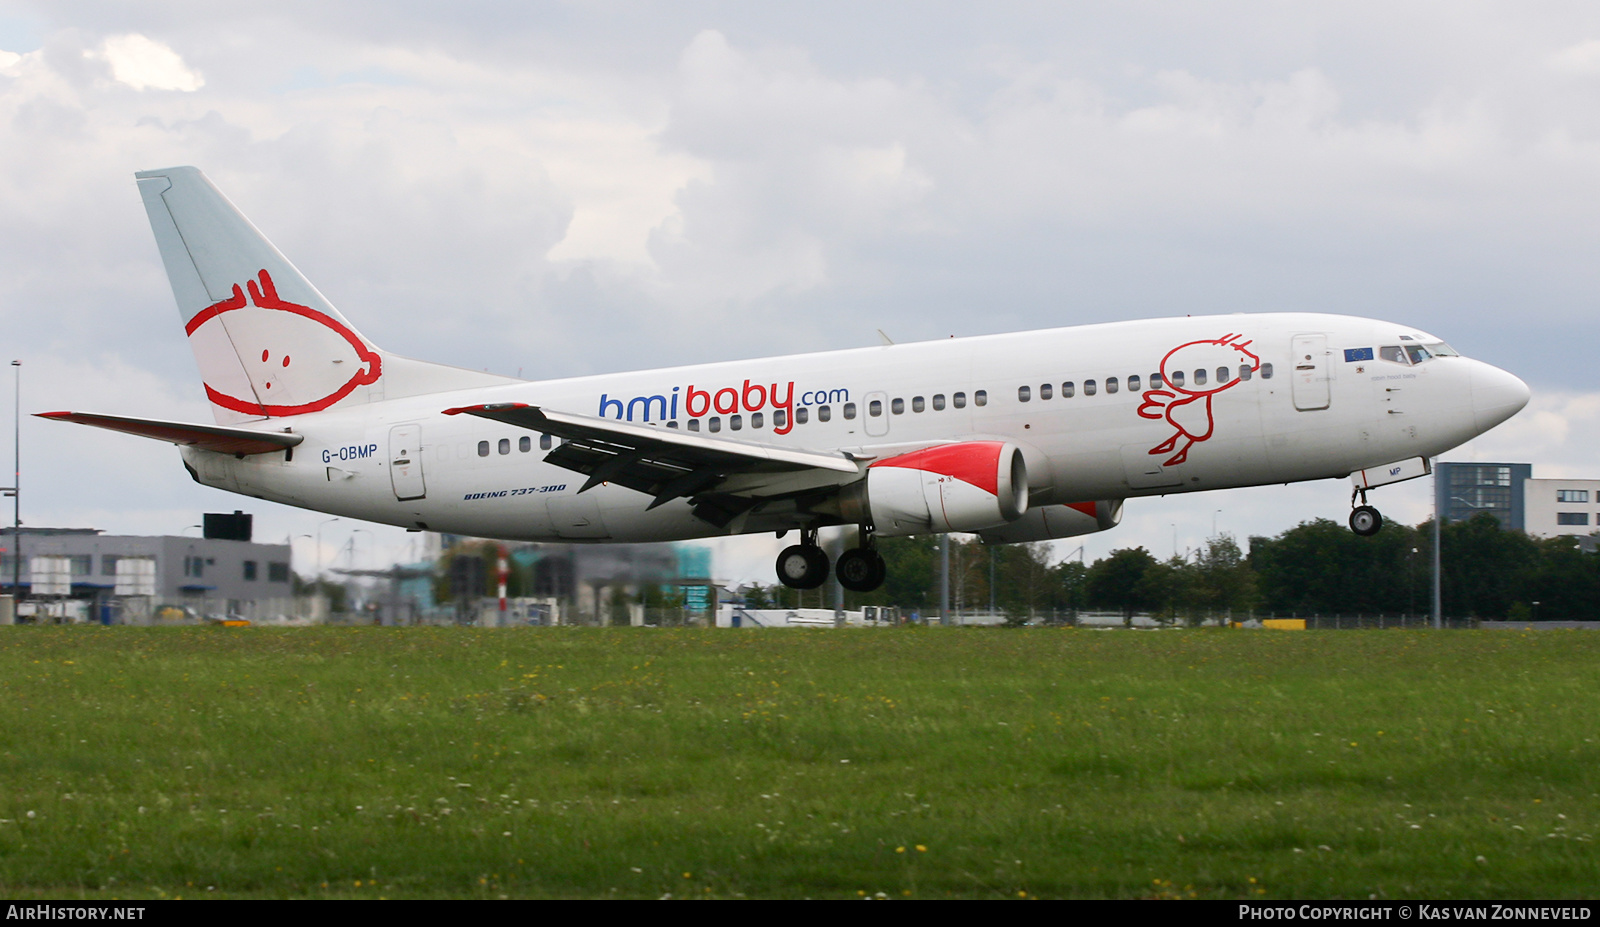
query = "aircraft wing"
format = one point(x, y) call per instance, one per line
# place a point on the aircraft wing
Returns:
point(662, 462)
point(219, 438)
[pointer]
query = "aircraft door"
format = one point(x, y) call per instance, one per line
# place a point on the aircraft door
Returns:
point(1311, 365)
point(876, 408)
point(405, 462)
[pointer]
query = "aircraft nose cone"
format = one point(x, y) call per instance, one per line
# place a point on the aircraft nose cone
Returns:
point(1496, 396)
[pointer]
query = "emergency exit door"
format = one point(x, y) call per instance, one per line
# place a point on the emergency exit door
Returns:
point(405, 462)
point(1311, 370)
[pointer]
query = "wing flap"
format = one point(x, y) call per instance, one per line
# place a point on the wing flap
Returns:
point(219, 438)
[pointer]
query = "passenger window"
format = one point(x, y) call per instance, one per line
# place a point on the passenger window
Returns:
point(1245, 372)
point(755, 419)
point(483, 449)
point(849, 410)
point(960, 400)
point(1155, 381)
point(1177, 378)
point(544, 442)
point(715, 423)
point(875, 408)
point(780, 417)
point(980, 398)
point(505, 445)
point(1044, 391)
point(1111, 384)
point(938, 402)
point(694, 424)
point(735, 422)
point(802, 415)
point(673, 423)
point(897, 406)
point(524, 444)
point(1222, 374)
point(1133, 383)
point(1088, 387)
point(1200, 377)
point(1266, 371)
point(1068, 390)
point(1023, 395)
point(916, 403)
point(824, 413)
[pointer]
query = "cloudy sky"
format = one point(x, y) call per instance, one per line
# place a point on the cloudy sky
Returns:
point(566, 188)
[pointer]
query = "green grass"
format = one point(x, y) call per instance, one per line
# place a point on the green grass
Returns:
point(992, 763)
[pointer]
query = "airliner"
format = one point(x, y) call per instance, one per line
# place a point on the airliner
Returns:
point(1016, 437)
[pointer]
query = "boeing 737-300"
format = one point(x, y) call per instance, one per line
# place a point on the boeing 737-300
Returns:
point(1014, 437)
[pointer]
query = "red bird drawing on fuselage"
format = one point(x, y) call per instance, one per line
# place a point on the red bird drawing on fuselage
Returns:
point(1191, 415)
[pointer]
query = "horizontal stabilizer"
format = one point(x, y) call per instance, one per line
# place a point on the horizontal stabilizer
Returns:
point(219, 438)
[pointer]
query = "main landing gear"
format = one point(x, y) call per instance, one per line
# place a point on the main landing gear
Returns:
point(861, 569)
point(1364, 519)
point(805, 566)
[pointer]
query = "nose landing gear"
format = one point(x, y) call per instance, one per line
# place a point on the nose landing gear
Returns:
point(1365, 520)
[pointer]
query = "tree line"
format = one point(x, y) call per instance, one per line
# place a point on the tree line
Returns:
point(1316, 568)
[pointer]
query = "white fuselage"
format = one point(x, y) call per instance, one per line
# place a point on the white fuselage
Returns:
point(1319, 414)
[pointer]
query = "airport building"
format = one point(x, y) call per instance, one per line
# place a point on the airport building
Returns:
point(1463, 490)
point(1553, 508)
point(580, 584)
point(83, 574)
point(1543, 508)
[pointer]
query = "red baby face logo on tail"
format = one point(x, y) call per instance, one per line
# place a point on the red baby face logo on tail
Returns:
point(1198, 370)
point(266, 356)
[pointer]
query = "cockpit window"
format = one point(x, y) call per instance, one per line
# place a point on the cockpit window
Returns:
point(1440, 349)
point(1417, 353)
point(1393, 353)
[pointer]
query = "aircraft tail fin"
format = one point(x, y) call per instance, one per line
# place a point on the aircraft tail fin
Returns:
point(269, 345)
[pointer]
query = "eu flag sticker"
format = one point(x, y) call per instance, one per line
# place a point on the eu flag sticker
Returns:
point(1352, 355)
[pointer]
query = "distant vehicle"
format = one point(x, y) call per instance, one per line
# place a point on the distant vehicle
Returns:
point(1016, 437)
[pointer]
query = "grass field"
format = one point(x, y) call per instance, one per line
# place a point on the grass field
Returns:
point(198, 762)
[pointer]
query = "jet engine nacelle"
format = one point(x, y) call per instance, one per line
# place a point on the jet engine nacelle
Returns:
point(953, 487)
point(1057, 521)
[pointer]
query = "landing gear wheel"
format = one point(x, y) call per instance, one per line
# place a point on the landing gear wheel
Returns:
point(803, 566)
point(861, 569)
point(1365, 521)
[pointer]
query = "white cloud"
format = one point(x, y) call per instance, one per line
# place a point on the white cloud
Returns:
point(1559, 433)
point(145, 64)
point(1582, 58)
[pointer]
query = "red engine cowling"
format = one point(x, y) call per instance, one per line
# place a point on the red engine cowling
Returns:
point(1044, 522)
point(952, 487)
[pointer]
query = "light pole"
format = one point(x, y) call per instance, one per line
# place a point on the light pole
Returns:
point(372, 543)
point(16, 489)
point(1438, 515)
point(319, 554)
point(991, 582)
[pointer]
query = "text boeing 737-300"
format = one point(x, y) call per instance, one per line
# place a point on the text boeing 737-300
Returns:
point(1017, 437)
